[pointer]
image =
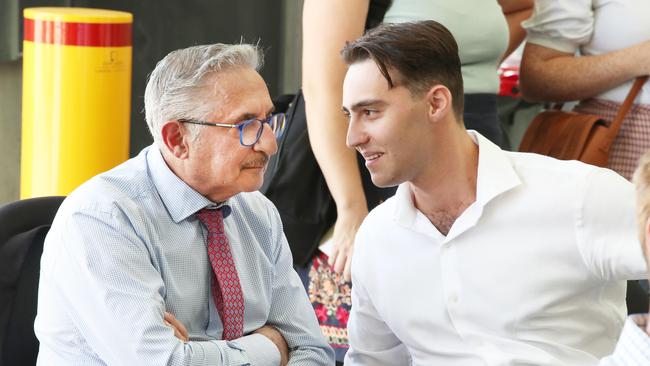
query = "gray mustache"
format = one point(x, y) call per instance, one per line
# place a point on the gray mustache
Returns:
point(262, 160)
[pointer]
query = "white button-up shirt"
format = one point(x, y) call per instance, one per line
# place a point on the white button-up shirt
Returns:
point(532, 273)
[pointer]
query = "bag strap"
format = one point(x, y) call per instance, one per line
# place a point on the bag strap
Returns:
point(625, 107)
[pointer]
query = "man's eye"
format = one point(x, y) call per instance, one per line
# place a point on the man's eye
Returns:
point(369, 112)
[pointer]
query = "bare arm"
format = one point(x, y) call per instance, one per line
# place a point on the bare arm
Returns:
point(516, 11)
point(327, 25)
point(551, 75)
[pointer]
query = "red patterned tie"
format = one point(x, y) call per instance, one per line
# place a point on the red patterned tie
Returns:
point(226, 289)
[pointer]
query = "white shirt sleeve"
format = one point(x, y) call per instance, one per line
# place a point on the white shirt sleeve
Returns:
point(606, 227)
point(560, 24)
point(372, 342)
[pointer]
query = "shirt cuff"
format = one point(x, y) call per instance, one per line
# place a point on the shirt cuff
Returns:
point(557, 44)
point(259, 349)
point(204, 353)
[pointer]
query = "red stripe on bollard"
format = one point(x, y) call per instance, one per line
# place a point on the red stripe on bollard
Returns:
point(78, 34)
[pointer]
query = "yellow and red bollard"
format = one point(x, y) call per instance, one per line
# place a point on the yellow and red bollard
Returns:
point(76, 97)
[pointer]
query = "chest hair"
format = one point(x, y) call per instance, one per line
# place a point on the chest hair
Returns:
point(444, 219)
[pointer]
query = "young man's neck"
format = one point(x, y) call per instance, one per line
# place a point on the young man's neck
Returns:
point(449, 187)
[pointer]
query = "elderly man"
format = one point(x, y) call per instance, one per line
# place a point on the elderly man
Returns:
point(498, 258)
point(171, 258)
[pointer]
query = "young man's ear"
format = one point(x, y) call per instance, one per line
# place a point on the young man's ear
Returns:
point(439, 100)
point(173, 136)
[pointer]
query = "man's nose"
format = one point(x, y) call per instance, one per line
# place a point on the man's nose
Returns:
point(356, 136)
point(267, 142)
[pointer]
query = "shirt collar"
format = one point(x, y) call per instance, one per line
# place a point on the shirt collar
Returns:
point(496, 175)
point(180, 200)
point(405, 211)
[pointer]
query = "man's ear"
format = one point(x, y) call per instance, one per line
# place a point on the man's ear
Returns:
point(173, 136)
point(439, 100)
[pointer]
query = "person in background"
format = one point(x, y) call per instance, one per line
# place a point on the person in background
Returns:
point(482, 256)
point(591, 51)
point(633, 347)
point(172, 258)
point(492, 33)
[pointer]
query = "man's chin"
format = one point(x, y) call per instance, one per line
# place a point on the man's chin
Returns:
point(383, 181)
point(254, 184)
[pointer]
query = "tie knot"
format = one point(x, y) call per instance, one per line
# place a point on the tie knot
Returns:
point(212, 219)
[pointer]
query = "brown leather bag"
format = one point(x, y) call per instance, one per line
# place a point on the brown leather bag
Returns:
point(577, 136)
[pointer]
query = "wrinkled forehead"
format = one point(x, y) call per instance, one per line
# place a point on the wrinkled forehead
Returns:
point(240, 91)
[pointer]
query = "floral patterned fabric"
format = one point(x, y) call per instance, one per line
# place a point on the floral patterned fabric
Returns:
point(330, 296)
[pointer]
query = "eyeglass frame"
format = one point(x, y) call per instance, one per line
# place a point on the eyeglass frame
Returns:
point(240, 126)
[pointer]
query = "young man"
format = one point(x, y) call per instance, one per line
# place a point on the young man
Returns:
point(171, 258)
point(483, 256)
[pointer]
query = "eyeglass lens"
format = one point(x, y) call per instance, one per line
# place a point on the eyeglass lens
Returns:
point(253, 129)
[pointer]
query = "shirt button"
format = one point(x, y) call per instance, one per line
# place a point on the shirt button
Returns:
point(453, 299)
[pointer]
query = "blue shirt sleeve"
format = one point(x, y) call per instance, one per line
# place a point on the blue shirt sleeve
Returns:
point(291, 312)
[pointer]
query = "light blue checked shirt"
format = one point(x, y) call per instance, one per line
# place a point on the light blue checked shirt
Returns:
point(633, 348)
point(127, 246)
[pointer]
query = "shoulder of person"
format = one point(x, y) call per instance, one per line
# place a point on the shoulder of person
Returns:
point(122, 188)
point(378, 217)
point(381, 213)
point(529, 165)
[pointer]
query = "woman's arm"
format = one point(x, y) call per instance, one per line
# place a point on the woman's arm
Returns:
point(327, 26)
point(551, 75)
point(515, 11)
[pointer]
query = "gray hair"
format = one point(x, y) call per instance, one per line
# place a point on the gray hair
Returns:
point(180, 79)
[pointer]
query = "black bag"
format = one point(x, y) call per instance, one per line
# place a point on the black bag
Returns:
point(295, 183)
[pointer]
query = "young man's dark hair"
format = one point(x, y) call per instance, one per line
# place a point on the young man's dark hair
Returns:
point(422, 54)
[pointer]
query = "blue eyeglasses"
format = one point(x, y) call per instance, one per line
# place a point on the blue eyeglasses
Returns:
point(250, 130)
